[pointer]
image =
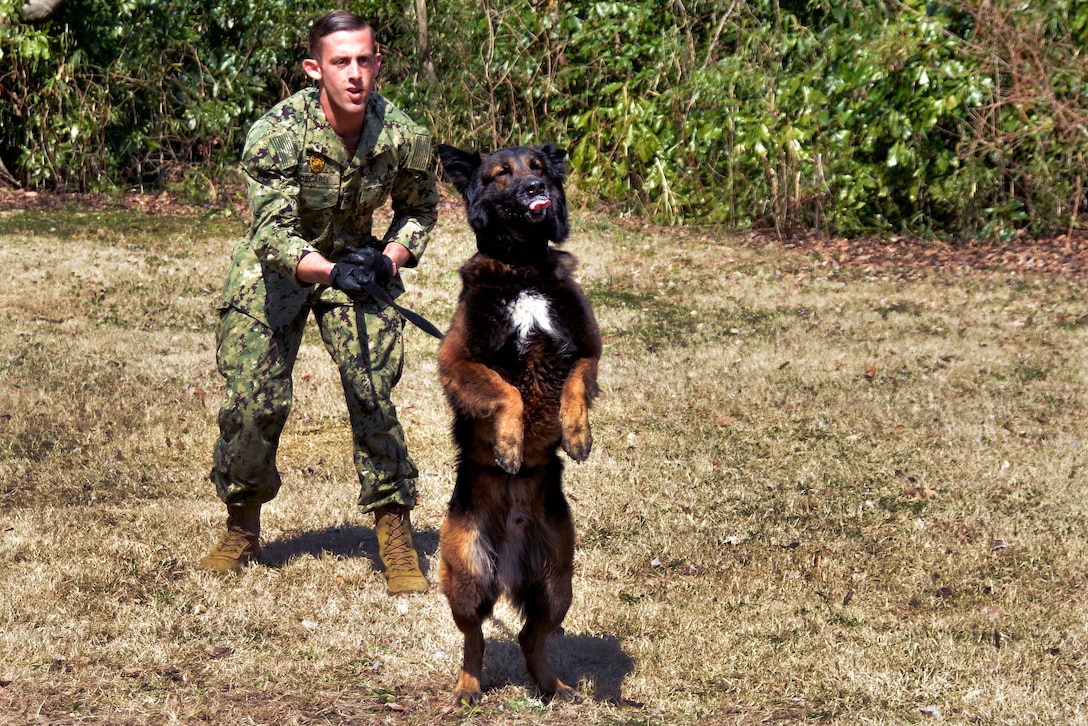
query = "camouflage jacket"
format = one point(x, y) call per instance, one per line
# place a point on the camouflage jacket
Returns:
point(306, 194)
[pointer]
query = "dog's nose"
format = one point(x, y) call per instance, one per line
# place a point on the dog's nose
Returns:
point(534, 187)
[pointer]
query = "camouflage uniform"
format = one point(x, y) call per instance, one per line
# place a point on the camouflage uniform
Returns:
point(306, 194)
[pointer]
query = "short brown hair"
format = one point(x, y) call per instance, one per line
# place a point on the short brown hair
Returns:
point(334, 22)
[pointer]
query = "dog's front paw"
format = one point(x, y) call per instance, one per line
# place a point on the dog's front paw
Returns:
point(508, 456)
point(509, 436)
point(577, 443)
point(575, 421)
point(577, 437)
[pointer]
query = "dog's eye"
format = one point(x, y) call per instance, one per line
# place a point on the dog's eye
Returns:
point(535, 165)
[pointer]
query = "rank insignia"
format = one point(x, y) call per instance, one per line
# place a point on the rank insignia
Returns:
point(317, 163)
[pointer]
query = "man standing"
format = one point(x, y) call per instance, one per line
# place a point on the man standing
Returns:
point(316, 167)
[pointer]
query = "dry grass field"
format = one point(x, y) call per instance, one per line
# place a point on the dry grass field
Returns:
point(818, 494)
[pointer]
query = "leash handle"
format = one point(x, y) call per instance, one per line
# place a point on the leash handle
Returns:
point(410, 315)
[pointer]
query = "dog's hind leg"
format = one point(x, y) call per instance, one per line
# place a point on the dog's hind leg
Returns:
point(469, 612)
point(545, 599)
point(468, 688)
point(466, 573)
point(540, 623)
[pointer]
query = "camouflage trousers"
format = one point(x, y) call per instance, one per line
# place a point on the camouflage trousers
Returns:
point(366, 343)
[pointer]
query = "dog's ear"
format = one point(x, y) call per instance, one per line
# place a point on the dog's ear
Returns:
point(458, 165)
point(557, 160)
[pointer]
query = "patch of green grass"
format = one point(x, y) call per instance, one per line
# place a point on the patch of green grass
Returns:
point(108, 227)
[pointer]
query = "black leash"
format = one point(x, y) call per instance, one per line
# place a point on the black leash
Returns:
point(410, 315)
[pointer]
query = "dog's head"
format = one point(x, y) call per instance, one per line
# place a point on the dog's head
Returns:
point(514, 197)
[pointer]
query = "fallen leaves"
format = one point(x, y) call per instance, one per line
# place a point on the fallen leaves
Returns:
point(170, 673)
point(198, 394)
point(890, 428)
point(920, 494)
point(901, 258)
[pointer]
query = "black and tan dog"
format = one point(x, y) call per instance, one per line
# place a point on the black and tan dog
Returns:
point(519, 368)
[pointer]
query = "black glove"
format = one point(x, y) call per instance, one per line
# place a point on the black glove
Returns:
point(352, 279)
point(371, 261)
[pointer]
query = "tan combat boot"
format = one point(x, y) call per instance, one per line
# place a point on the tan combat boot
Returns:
point(393, 525)
point(240, 545)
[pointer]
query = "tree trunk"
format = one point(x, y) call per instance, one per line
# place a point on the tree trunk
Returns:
point(36, 11)
point(425, 41)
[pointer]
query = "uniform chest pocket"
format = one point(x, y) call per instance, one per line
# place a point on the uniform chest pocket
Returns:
point(315, 198)
point(374, 189)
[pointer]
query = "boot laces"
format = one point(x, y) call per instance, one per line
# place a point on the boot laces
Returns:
point(234, 543)
point(398, 550)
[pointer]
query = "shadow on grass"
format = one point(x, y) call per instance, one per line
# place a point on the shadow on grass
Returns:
point(594, 664)
point(346, 540)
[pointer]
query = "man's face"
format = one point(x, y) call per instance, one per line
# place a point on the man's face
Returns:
point(347, 69)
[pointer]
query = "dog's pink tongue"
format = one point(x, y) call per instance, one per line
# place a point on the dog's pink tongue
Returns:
point(537, 204)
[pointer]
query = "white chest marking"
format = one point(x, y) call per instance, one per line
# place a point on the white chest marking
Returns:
point(531, 311)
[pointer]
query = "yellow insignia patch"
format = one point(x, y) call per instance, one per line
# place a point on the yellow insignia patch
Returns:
point(317, 163)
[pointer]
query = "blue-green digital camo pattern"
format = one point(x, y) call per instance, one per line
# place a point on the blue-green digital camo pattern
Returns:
point(306, 194)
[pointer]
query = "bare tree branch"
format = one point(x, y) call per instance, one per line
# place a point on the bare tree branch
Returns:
point(6, 177)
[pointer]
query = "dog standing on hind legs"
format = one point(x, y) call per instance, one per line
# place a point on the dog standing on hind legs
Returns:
point(519, 369)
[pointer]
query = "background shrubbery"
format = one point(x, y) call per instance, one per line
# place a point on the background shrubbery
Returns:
point(960, 120)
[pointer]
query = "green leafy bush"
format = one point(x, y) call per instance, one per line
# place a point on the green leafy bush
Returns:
point(961, 120)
